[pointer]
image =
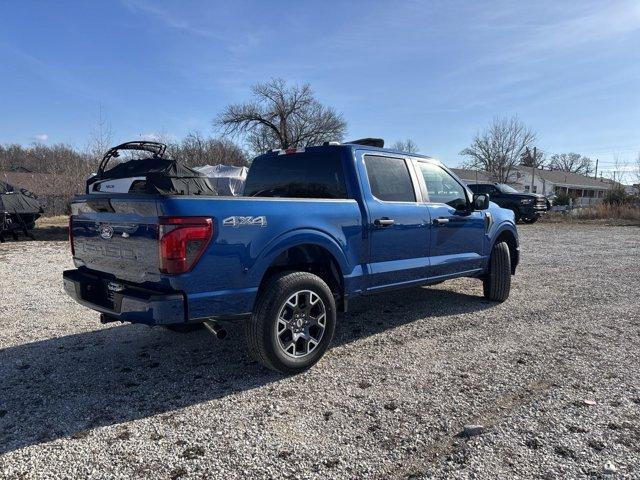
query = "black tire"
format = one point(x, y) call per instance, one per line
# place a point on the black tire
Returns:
point(265, 342)
point(184, 328)
point(516, 215)
point(497, 283)
point(530, 220)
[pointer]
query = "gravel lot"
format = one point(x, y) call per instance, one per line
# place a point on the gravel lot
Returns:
point(553, 375)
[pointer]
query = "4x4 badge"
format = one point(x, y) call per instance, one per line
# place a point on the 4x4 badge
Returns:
point(260, 221)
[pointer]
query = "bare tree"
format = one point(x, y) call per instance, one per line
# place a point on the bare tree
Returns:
point(196, 150)
point(58, 159)
point(281, 116)
point(571, 162)
point(499, 148)
point(533, 157)
point(100, 138)
point(620, 172)
point(407, 145)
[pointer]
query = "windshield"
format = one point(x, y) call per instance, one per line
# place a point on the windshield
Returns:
point(505, 188)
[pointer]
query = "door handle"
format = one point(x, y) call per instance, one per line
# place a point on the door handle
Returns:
point(440, 221)
point(383, 222)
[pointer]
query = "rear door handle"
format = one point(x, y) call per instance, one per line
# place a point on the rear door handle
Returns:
point(383, 222)
point(440, 221)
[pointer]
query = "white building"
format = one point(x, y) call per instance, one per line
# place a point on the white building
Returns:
point(584, 190)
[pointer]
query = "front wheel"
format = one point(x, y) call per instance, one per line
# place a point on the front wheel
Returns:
point(530, 220)
point(293, 322)
point(497, 283)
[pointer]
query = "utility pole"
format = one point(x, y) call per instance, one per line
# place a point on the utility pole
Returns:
point(596, 174)
point(533, 167)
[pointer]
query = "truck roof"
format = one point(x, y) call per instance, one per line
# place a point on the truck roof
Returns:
point(350, 146)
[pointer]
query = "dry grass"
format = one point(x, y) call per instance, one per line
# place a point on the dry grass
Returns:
point(609, 212)
point(57, 221)
point(52, 228)
point(603, 213)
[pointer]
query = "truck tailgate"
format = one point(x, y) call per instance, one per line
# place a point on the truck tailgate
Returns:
point(117, 236)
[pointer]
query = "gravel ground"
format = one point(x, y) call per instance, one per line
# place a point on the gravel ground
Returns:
point(552, 375)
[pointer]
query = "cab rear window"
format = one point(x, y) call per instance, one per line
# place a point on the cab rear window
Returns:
point(299, 175)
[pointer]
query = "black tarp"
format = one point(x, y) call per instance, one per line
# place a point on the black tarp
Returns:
point(163, 176)
point(19, 201)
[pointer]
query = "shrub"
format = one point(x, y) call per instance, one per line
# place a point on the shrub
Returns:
point(562, 198)
point(616, 196)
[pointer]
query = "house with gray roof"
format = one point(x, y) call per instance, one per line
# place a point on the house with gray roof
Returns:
point(583, 189)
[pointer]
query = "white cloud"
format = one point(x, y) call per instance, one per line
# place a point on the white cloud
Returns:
point(168, 18)
point(236, 41)
point(41, 137)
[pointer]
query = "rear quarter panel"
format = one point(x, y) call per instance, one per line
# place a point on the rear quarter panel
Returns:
point(226, 279)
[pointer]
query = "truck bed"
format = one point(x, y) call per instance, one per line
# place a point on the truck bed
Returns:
point(115, 239)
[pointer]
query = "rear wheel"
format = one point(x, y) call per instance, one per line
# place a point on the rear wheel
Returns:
point(497, 283)
point(293, 322)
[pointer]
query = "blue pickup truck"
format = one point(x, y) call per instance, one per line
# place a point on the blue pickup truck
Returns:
point(316, 227)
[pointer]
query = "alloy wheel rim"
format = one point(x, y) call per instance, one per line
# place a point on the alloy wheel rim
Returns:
point(301, 324)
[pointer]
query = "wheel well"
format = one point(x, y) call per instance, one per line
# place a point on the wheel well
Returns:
point(310, 258)
point(510, 239)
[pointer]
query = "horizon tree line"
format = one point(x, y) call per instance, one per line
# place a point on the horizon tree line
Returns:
point(278, 115)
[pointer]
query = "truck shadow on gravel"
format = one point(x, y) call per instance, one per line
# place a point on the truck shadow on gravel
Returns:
point(67, 386)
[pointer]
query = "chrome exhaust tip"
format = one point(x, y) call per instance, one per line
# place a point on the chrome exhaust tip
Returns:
point(216, 329)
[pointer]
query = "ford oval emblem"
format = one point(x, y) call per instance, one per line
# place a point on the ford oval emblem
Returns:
point(106, 232)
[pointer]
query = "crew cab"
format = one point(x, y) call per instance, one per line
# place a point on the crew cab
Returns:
point(315, 228)
point(527, 207)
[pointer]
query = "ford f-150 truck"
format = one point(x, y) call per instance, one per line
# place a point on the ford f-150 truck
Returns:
point(316, 227)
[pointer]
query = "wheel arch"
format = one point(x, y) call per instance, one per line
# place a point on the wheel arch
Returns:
point(508, 235)
point(307, 250)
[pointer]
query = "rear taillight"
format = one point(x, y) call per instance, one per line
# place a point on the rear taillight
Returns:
point(182, 240)
point(73, 250)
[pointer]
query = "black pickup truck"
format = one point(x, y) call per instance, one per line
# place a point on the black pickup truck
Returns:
point(526, 206)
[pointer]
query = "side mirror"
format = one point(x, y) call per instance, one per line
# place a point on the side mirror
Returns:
point(480, 201)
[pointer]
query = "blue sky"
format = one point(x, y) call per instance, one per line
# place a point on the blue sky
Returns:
point(436, 72)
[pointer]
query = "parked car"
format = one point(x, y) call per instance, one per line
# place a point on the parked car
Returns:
point(526, 206)
point(315, 228)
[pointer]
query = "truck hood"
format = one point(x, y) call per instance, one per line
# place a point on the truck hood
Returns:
point(518, 196)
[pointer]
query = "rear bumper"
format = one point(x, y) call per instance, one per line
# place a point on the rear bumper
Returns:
point(125, 302)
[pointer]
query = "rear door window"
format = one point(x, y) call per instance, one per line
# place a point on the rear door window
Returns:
point(389, 179)
point(299, 175)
